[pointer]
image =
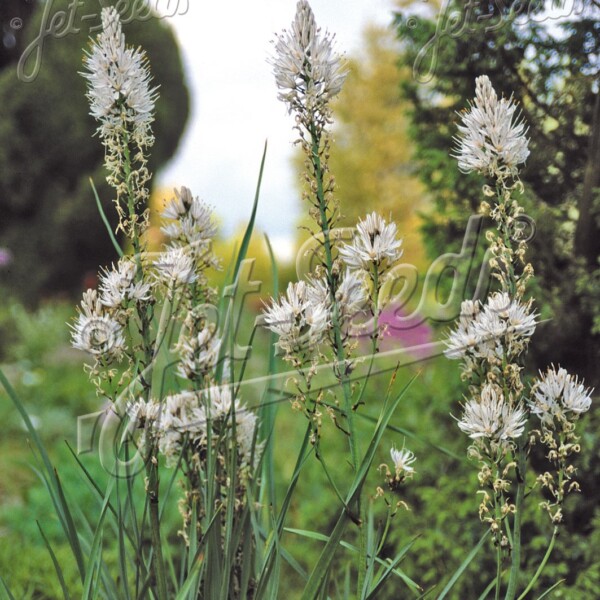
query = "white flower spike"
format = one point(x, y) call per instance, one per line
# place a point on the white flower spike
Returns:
point(308, 71)
point(119, 83)
point(491, 138)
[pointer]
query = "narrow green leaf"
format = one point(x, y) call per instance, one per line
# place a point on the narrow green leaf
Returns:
point(121, 528)
point(319, 574)
point(392, 569)
point(105, 220)
point(410, 434)
point(197, 562)
point(95, 553)
point(71, 528)
point(250, 228)
point(51, 482)
point(487, 590)
point(390, 566)
point(551, 589)
point(28, 424)
point(463, 566)
point(273, 540)
point(268, 408)
point(247, 565)
point(55, 562)
point(6, 593)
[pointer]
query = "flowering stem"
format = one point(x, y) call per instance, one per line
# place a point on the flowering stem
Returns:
point(152, 474)
point(146, 318)
point(542, 565)
point(516, 548)
point(318, 170)
point(339, 348)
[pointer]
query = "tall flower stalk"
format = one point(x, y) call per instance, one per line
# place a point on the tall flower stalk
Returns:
point(492, 338)
point(122, 100)
point(200, 428)
point(347, 278)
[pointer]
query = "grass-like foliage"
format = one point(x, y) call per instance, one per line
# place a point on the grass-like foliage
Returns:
point(190, 501)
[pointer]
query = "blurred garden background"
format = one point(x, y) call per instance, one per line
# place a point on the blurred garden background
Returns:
point(394, 124)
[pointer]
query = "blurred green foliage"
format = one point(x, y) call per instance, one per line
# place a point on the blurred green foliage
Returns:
point(49, 218)
point(551, 68)
point(442, 516)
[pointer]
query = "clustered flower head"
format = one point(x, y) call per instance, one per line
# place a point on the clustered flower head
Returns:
point(492, 337)
point(492, 417)
point(189, 221)
point(375, 244)
point(119, 90)
point(198, 347)
point(300, 318)
point(175, 267)
point(558, 400)
point(119, 285)
point(491, 138)
point(558, 396)
point(180, 424)
point(308, 72)
point(122, 100)
point(190, 227)
point(373, 251)
point(502, 327)
point(98, 330)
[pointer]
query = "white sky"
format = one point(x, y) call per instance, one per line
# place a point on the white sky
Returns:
point(234, 105)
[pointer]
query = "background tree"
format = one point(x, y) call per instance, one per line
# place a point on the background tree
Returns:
point(50, 221)
point(372, 155)
point(557, 84)
point(551, 66)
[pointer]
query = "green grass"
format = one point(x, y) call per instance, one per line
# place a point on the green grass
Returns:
point(441, 497)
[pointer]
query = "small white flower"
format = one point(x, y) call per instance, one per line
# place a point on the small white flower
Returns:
point(460, 342)
point(492, 417)
point(374, 243)
point(191, 222)
point(481, 331)
point(119, 83)
point(118, 285)
point(198, 353)
point(175, 266)
point(491, 138)
point(298, 320)
point(143, 413)
point(403, 459)
point(351, 295)
point(307, 70)
point(556, 393)
point(222, 408)
point(180, 419)
point(97, 332)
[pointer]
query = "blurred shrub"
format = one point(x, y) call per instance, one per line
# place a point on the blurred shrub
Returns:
point(49, 219)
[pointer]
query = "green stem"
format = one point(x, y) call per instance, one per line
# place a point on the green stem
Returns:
point(516, 548)
point(339, 348)
point(542, 565)
point(147, 347)
point(362, 538)
point(316, 161)
point(159, 565)
point(498, 499)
